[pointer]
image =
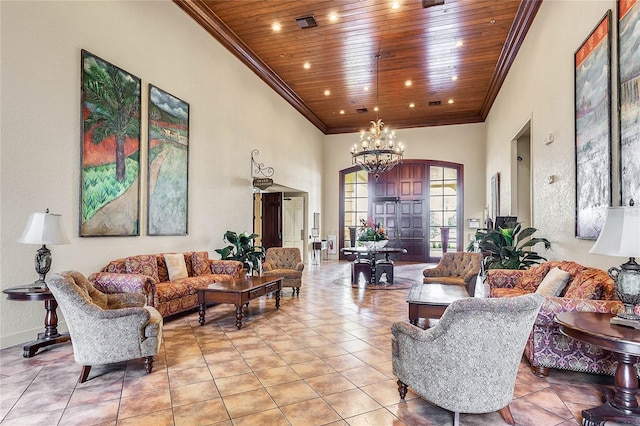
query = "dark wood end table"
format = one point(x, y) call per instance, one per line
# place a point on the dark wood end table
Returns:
point(429, 300)
point(620, 405)
point(238, 291)
point(50, 336)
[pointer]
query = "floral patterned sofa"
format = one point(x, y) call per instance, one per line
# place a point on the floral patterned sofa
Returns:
point(149, 275)
point(588, 289)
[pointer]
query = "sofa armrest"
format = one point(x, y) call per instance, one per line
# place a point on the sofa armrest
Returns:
point(267, 266)
point(113, 282)
point(554, 305)
point(300, 266)
point(226, 267)
point(504, 278)
point(435, 272)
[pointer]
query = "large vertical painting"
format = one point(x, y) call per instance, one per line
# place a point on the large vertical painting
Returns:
point(593, 130)
point(629, 100)
point(110, 184)
point(168, 164)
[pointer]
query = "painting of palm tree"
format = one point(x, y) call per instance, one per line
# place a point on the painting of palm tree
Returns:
point(168, 163)
point(110, 149)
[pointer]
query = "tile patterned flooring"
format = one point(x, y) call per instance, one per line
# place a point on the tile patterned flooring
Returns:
point(323, 358)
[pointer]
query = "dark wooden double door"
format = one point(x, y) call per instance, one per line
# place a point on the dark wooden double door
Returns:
point(401, 200)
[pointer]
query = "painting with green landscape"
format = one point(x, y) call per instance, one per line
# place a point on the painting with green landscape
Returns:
point(168, 166)
point(110, 187)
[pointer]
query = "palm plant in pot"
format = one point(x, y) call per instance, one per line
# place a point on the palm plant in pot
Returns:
point(504, 248)
point(242, 248)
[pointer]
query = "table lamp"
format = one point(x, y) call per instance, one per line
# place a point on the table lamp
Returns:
point(620, 236)
point(43, 228)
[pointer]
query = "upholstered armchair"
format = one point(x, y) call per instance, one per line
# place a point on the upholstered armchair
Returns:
point(468, 362)
point(106, 328)
point(460, 268)
point(284, 262)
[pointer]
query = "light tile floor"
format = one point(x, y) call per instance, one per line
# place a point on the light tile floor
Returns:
point(323, 358)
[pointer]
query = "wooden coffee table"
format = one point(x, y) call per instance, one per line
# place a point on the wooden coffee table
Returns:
point(624, 342)
point(431, 299)
point(238, 291)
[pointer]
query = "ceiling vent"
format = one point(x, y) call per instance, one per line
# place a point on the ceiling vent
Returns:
point(429, 3)
point(434, 103)
point(361, 110)
point(307, 22)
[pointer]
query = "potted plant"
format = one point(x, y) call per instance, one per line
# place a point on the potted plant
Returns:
point(242, 248)
point(504, 248)
point(371, 234)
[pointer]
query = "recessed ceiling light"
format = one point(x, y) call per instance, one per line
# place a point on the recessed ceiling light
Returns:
point(375, 109)
point(407, 83)
point(411, 105)
point(366, 88)
point(493, 21)
point(327, 92)
point(342, 111)
point(333, 16)
point(395, 5)
point(454, 77)
point(459, 43)
point(276, 26)
point(306, 65)
point(450, 101)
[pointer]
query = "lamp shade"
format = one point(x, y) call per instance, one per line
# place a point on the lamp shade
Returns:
point(620, 235)
point(44, 228)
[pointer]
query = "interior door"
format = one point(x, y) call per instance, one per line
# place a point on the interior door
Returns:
point(293, 222)
point(272, 219)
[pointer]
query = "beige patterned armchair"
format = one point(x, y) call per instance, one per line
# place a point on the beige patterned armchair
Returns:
point(284, 262)
point(460, 268)
point(468, 362)
point(106, 328)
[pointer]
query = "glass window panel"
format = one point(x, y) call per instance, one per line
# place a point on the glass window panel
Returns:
point(450, 218)
point(450, 188)
point(361, 190)
point(350, 219)
point(436, 189)
point(436, 203)
point(362, 176)
point(436, 219)
point(349, 189)
point(362, 204)
point(435, 172)
point(349, 205)
point(450, 173)
point(349, 178)
point(450, 202)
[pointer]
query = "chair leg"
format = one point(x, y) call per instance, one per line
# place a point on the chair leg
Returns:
point(540, 371)
point(84, 374)
point(402, 389)
point(456, 418)
point(148, 364)
point(297, 291)
point(506, 415)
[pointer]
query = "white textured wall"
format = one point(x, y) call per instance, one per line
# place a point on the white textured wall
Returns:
point(463, 144)
point(539, 87)
point(232, 111)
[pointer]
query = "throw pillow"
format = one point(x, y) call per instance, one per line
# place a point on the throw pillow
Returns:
point(145, 264)
point(553, 282)
point(176, 266)
point(200, 263)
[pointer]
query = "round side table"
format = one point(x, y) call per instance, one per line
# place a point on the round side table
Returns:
point(50, 336)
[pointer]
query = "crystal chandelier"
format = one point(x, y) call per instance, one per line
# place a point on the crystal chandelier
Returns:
point(378, 150)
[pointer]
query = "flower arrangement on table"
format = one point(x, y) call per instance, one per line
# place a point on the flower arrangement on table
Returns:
point(371, 234)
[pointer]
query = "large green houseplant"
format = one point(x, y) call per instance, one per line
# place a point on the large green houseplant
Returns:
point(242, 248)
point(504, 248)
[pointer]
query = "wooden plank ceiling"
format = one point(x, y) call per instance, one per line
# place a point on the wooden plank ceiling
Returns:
point(455, 55)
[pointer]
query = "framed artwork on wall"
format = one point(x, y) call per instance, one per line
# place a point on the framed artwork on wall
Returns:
point(592, 113)
point(629, 100)
point(110, 153)
point(168, 164)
